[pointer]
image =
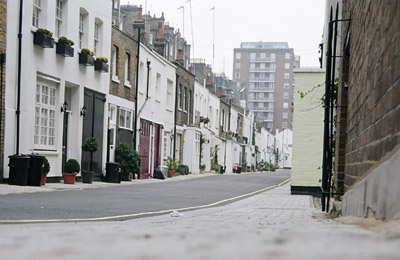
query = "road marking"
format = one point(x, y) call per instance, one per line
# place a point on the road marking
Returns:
point(142, 213)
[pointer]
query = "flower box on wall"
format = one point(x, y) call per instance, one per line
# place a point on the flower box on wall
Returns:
point(64, 50)
point(86, 59)
point(42, 37)
point(100, 66)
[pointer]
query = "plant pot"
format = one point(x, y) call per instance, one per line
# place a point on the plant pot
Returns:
point(87, 176)
point(86, 59)
point(126, 176)
point(100, 66)
point(69, 178)
point(171, 173)
point(64, 50)
point(44, 178)
point(43, 40)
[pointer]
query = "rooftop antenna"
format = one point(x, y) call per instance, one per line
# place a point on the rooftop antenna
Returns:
point(191, 23)
point(183, 20)
point(213, 9)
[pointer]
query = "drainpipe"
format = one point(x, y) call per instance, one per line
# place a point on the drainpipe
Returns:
point(137, 24)
point(176, 113)
point(18, 111)
point(147, 91)
point(3, 60)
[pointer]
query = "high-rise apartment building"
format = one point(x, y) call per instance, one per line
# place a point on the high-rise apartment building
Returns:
point(264, 71)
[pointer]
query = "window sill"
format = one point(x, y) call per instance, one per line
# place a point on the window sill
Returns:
point(115, 79)
point(127, 84)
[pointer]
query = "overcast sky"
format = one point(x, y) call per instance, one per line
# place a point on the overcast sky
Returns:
point(298, 22)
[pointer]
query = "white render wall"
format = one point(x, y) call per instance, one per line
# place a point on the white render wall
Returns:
point(57, 70)
point(285, 138)
point(308, 119)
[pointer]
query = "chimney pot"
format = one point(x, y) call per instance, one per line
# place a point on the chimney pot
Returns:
point(160, 29)
point(140, 14)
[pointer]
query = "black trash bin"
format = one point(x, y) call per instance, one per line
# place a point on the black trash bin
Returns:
point(113, 174)
point(239, 169)
point(19, 167)
point(35, 169)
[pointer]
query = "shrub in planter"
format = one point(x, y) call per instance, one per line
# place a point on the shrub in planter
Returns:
point(101, 64)
point(171, 164)
point(71, 169)
point(86, 57)
point(90, 145)
point(46, 170)
point(129, 161)
point(43, 38)
point(64, 47)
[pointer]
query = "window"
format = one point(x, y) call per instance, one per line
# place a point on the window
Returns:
point(125, 118)
point(284, 124)
point(252, 56)
point(59, 7)
point(238, 55)
point(237, 75)
point(272, 56)
point(115, 4)
point(287, 76)
point(285, 95)
point(127, 69)
point(287, 56)
point(185, 102)
point(96, 37)
point(287, 65)
point(169, 94)
point(286, 85)
point(180, 96)
point(45, 116)
point(285, 105)
point(82, 28)
point(262, 75)
point(36, 13)
point(285, 115)
point(252, 65)
point(262, 65)
point(263, 56)
point(158, 85)
point(197, 140)
point(238, 65)
point(114, 63)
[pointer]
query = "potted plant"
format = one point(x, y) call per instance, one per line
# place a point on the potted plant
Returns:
point(64, 47)
point(90, 145)
point(46, 170)
point(86, 57)
point(43, 38)
point(129, 161)
point(101, 64)
point(229, 134)
point(171, 164)
point(71, 169)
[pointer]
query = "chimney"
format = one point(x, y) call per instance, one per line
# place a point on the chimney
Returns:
point(160, 29)
point(140, 14)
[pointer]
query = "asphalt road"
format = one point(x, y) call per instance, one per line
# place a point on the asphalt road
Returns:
point(133, 201)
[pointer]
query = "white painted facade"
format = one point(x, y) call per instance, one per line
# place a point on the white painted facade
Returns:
point(51, 74)
point(285, 138)
point(156, 103)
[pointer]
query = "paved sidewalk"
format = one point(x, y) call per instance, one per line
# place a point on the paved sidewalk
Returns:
point(270, 225)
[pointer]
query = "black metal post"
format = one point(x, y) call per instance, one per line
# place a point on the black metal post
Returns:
point(325, 160)
point(148, 80)
point(176, 113)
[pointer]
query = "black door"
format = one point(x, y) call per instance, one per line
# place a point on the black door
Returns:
point(93, 123)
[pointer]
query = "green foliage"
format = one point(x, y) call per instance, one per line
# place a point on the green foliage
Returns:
point(90, 145)
point(171, 163)
point(46, 166)
point(128, 159)
point(44, 31)
point(215, 158)
point(87, 51)
point(72, 166)
point(65, 40)
point(244, 163)
point(102, 59)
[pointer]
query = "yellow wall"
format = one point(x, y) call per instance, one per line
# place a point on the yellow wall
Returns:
point(308, 119)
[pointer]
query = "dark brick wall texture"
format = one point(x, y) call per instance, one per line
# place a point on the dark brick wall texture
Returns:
point(370, 130)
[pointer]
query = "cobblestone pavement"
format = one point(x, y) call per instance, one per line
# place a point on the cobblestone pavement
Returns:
point(270, 225)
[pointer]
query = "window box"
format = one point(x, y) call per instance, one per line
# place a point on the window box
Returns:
point(100, 66)
point(86, 59)
point(64, 50)
point(42, 37)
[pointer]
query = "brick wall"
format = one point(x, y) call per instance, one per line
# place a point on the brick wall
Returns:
point(372, 128)
point(3, 23)
point(125, 44)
